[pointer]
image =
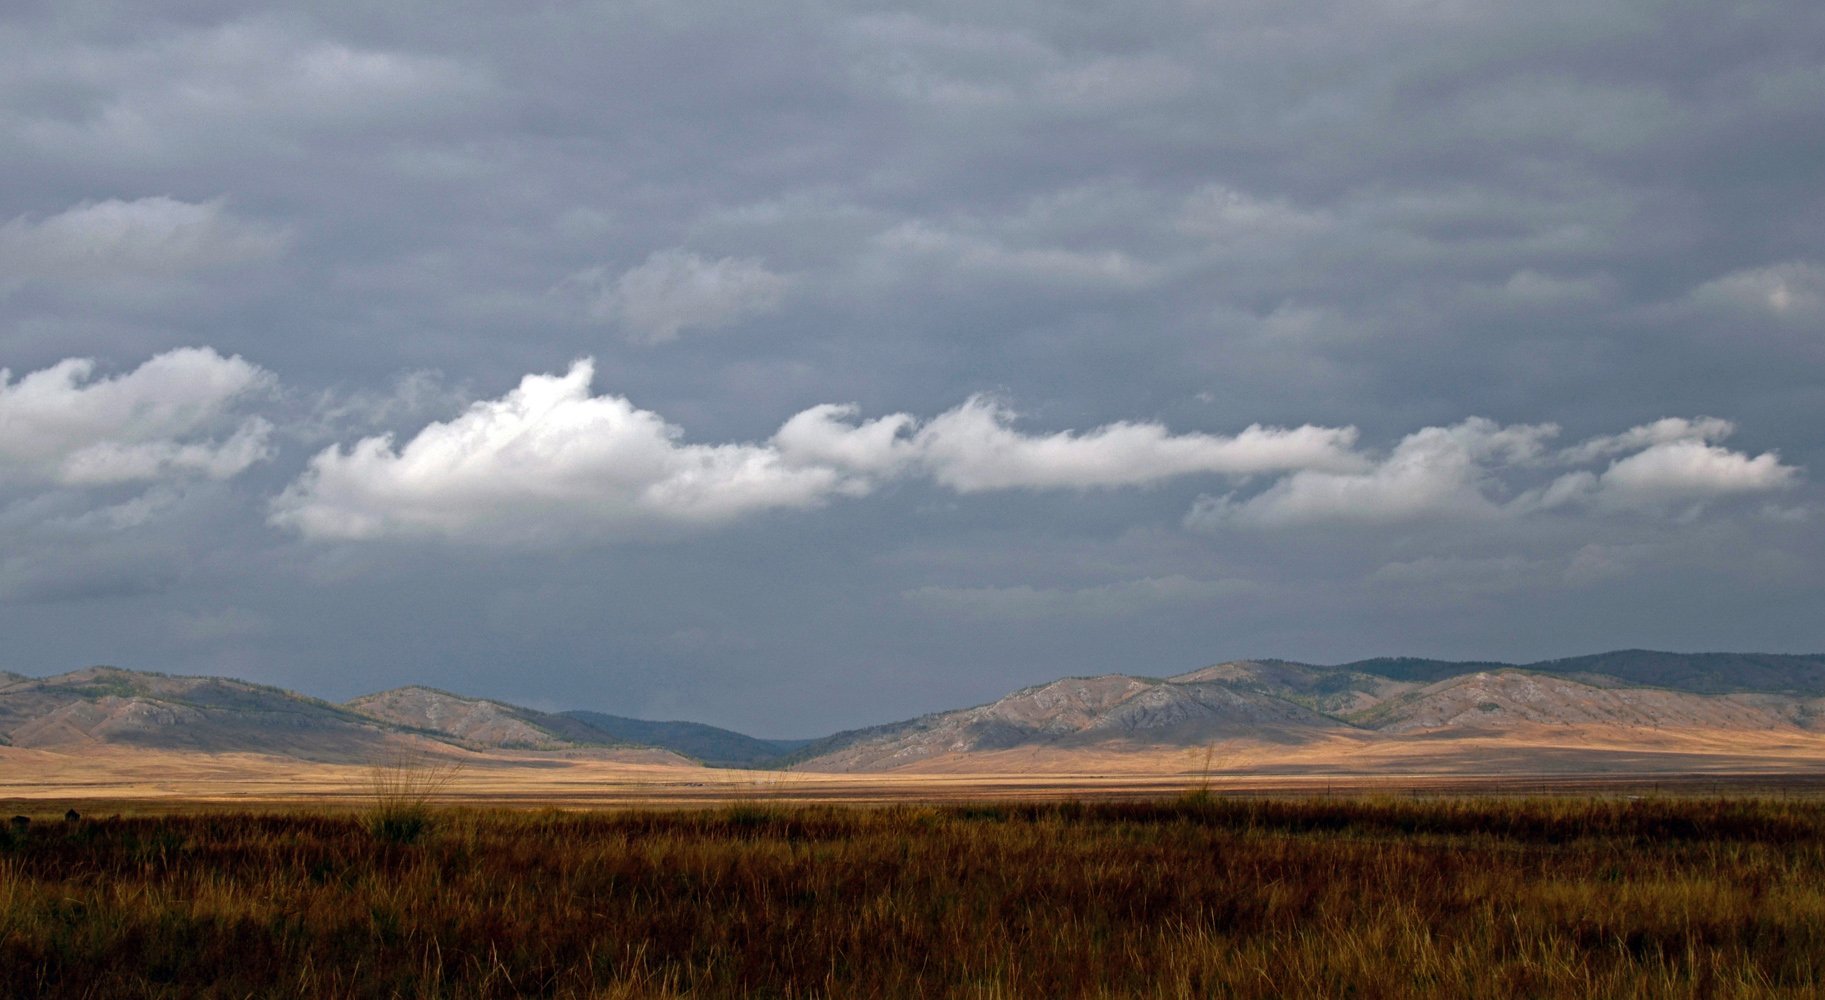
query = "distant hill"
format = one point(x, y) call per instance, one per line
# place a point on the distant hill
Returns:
point(1623, 698)
point(1278, 701)
point(709, 744)
point(106, 705)
point(480, 723)
point(1702, 673)
point(1407, 668)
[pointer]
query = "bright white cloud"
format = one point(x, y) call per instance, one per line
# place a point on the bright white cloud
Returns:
point(154, 238)
point(1667, 430)
point(1482, 470)
point(673, 291)
point(549, 459)
point(544, 461)
point(176, 415)
point(823, 435)
point(1689, 472)
point(973, 448)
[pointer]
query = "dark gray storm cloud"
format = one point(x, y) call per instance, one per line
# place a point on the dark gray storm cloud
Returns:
point(814, 364)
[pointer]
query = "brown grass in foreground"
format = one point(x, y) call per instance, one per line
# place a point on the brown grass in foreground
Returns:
point(1193, 898)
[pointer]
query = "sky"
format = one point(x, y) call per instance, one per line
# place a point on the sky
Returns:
point(807, 365)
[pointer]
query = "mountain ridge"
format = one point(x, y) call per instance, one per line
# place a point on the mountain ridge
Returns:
point(1263, 701)
point(1388, 695)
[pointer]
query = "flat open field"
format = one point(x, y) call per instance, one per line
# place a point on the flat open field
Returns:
point(1197, 896)
point(1558, 758)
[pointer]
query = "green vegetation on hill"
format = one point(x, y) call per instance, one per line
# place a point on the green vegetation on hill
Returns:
point(1702, 673)
point(1408, 668)
point(1699, 673)
point(1200, 897)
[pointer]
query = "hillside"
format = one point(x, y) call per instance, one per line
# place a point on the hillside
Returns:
point(1075, 712)
point(479, 723)
point(1407, 712)
point(100, 706)
point(1603, 698)
point(709, 744)
point(97, 708)
point(1702, 673)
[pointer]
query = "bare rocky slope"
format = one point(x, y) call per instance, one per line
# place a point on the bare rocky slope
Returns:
point(480, 723)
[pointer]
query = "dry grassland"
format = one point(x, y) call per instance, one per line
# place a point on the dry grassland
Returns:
point(1546, 758)
point(1197, 896)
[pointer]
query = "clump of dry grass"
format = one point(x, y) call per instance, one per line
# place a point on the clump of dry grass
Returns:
point(1214, 897)
point(401, 793)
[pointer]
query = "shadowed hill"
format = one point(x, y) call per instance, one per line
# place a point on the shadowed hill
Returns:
point(1702, 673)
point(709, 744)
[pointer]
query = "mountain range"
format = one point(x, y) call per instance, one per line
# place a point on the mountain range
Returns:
point(1618, 698)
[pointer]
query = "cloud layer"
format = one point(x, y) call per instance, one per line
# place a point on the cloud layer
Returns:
point(675, 291)
point(147, 239)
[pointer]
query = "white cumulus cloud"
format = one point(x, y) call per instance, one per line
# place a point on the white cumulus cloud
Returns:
point(973, 448)
point(542, 462)
point(1479, 469)
point(176, 415)
point(1437, 471)
point(549, 459)
point(1687, 472)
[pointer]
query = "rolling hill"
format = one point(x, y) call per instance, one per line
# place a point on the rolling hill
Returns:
point(479, 723)
point(1276, 701)
point(709, 744)
point(1405, 709)
point(107, 706)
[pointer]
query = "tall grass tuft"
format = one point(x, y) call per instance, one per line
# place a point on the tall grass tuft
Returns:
point(401, 794)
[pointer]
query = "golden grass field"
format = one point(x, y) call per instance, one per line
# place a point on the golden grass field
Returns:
point(1547, 757)
point(1552, 863)
point(1196, 895)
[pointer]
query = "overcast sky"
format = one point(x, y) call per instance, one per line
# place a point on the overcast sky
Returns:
point(803, 365)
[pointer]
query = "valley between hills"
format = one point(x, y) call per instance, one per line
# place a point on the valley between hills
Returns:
point(1624, 717)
